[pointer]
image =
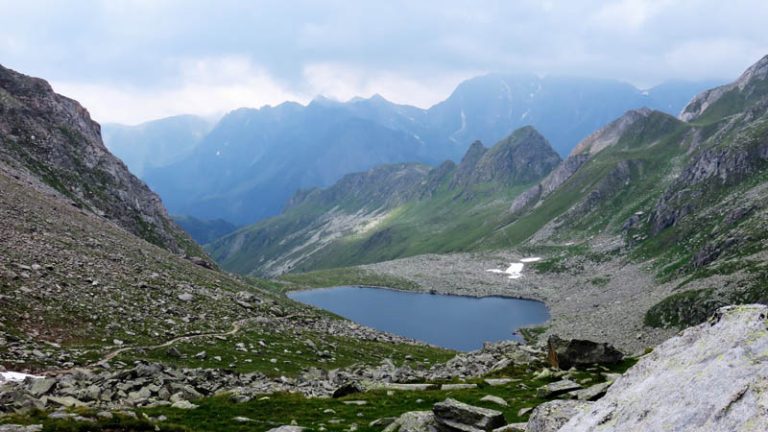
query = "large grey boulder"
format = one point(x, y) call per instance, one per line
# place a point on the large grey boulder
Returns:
point(557, 388)
point(712, 377)
point(451, 414)
point(287, 428)
point(564, 353)
point(413, 421)
point(40, 387)
point(550, 416)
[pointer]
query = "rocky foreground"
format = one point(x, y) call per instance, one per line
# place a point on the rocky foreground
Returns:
point(153, 385)
point(712, 377)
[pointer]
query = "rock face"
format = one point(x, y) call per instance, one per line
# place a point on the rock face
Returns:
point(712, 377)
point(54, 139)
point(564, 354)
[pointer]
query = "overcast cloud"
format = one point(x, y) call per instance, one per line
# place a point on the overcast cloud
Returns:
point(131, 61)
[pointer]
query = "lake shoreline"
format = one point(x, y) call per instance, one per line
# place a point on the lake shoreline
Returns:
point(601, 301)
point(457, 322)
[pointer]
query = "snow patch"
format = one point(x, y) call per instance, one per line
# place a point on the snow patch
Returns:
point(17, 376)
point(515, 270)
point(530, 259)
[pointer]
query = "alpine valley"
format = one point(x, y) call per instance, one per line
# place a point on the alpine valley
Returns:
point(643, 232)
point(248, 165)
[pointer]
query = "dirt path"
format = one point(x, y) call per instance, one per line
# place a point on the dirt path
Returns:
point(236, 327)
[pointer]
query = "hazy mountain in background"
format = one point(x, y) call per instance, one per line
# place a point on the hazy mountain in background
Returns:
point(156, 143)
point(253, 160)
point(563, 109)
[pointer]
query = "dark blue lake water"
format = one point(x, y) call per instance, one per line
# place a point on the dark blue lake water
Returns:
point(461, 323)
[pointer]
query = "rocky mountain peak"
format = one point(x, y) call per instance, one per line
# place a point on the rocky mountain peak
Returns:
point(51, 139)
point(750, 85)
point(381, 186)
point(524, 156)
point(474, 153)
point(758, 71)
point(611, 133)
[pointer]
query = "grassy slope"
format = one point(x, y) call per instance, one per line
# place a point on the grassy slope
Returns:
point(447, 222)
point(653, 149)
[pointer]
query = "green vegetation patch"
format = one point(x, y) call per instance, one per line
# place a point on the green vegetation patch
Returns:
point(346, 276)
point(693, 307)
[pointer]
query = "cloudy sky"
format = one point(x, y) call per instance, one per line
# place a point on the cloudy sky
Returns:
point(134, 60)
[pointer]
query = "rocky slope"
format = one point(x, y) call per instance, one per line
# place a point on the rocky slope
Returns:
point(78, 282)
point(391, 211)
point(54, 139)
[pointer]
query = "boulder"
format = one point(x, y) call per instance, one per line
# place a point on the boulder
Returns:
point(452, 415)
point(182, 404)
point(564, 354)
point(712, 377)
point(494, 382)
point(447, 387)
point(66, 401)
point(557, 388)
point(40, 387)
point(413, 421)
point(348, 389)
point(551, 416)
point(494, 399)
point(591, 393)
point(287, 428)
point(512, 427)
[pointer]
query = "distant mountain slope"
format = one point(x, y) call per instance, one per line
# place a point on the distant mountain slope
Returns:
point(392, 211)
point(689, 196)
point(253, 160)
point(54, 139)
point(204, 231)
point(156, 143)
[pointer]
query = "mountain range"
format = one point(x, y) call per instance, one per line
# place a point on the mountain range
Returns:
point(686, 195)
point(253, 160)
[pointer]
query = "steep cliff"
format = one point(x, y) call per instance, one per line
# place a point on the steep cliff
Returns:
point(53, 139)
